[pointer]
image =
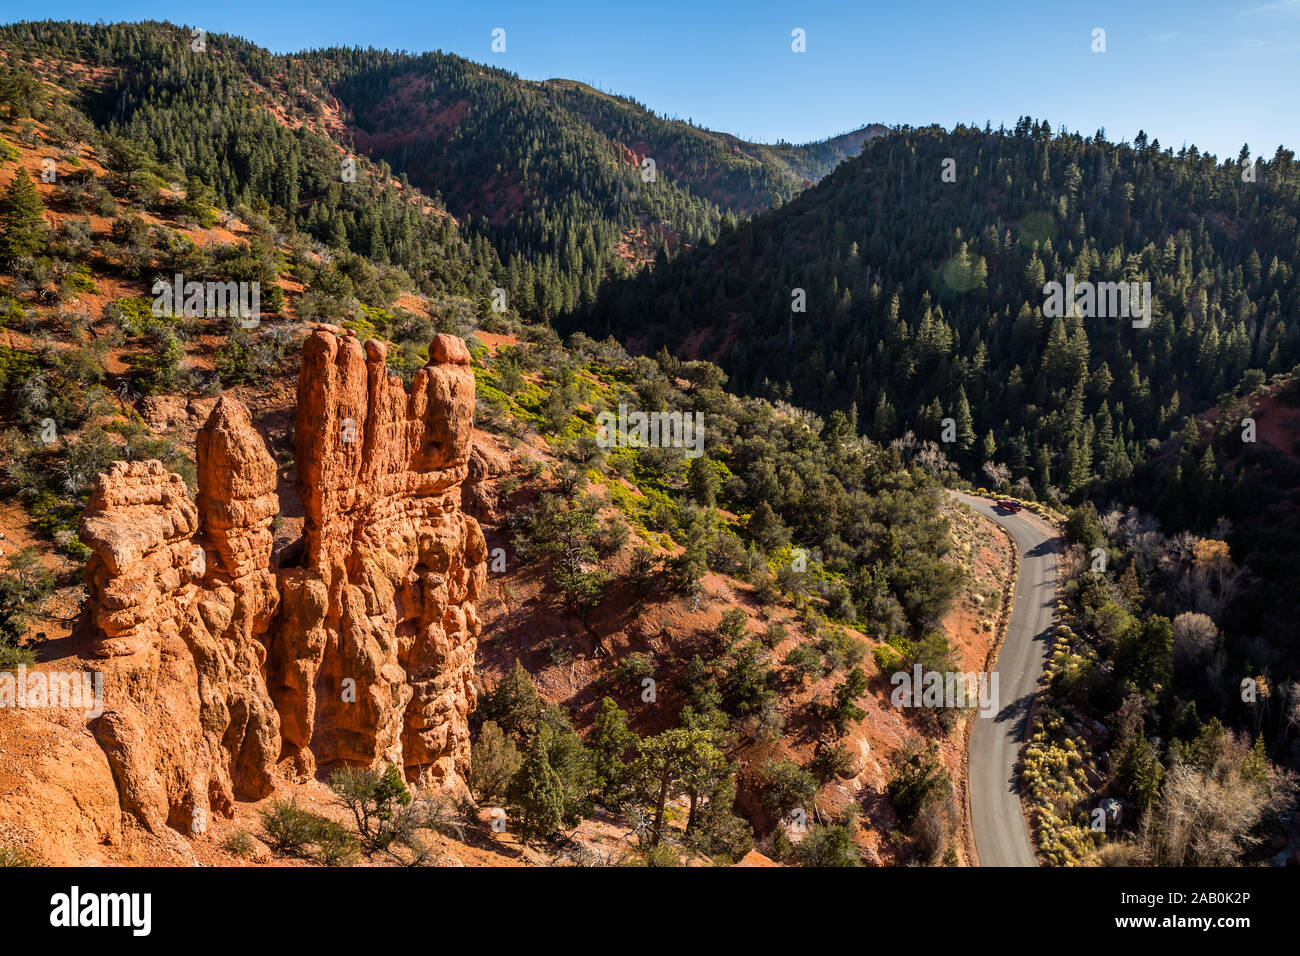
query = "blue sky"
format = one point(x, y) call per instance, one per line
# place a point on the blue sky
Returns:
point(1187, 71)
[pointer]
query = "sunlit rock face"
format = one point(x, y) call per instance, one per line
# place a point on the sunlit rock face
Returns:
point(373, 658)
point(217, 666)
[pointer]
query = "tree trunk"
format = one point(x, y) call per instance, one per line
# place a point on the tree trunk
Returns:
point(659, 811)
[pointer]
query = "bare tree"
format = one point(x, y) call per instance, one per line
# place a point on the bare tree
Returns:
point(998, 474)
point(1195, 636)
point(1208, 815)
point(927, 454)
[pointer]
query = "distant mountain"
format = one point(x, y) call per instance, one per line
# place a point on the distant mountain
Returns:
point(574, 183)
point(550, 174)
point(737, 175)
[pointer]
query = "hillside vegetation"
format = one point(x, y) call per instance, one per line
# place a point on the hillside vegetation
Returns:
point(766, 588)
point(924, 298)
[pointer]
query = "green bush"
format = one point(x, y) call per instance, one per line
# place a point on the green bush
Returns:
point(239, 843)
point(376, 799)
point(134, 315)
point(828, 846)
point(335, 844)
point(804, 661)
point(493, 763)
point(11, 655)
point(888, 660)
point(633, 669)
point(919, 777)
point(1083, 526)
point(288, 827)
point(832, 760)
point(784, 785)
point(660, 854)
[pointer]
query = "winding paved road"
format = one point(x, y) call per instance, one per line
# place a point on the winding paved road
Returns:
point(1001, 835)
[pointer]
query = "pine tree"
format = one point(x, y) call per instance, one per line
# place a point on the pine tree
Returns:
point(198, 202)
point(1140, 772)
point(515, 704)
point(766, 528)
point(965, 422)
point(537, 792)
point(883, 419)
point(494, 761)
point(703, 482)
point(22, 220)
point(717, 830)
point(611, 741)
point(690, 566)
point(673, 761)
point(1205, 483)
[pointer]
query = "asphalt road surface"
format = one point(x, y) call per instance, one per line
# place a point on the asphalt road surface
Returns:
point(1001, 835)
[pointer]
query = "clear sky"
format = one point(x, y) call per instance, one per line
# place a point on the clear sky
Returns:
point(1213, 74)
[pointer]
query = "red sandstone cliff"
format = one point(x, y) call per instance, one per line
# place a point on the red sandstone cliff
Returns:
point(219, 667)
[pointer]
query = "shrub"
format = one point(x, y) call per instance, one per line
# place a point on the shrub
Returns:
point(1083, 526)
point(774, 634)
point(11, 655)
point(633, 669)
point(887, 659)
point(919, 777)
point(159, 369)
point(844, 709)
point(719, 832)
point(377, 800)
point(515, 704)
point(828, 846)
point(240, 844)
point(643, 573)
point(747, 682)
point(785, 785)
point(494, 762)
point(16, 856)
point(133, 316)
point(731, 628)
point(659, 854)
point(804, 661)
point(832, 760)
point(289, 828)
point(335, 844)
point(27, 583)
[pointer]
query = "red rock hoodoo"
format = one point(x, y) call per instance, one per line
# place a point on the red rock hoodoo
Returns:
point(373, 656)
point(218, 667)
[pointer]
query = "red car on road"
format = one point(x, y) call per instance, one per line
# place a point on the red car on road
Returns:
point(1007, 504)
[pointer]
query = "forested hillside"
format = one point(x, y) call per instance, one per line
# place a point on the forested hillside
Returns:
point(168, 113)
point(572, 184)
point(924, 297)
point(548, 181)
point(1173, 677)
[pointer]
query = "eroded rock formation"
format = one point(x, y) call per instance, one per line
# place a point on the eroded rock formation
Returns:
point(218, 667)
point(374, 652)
